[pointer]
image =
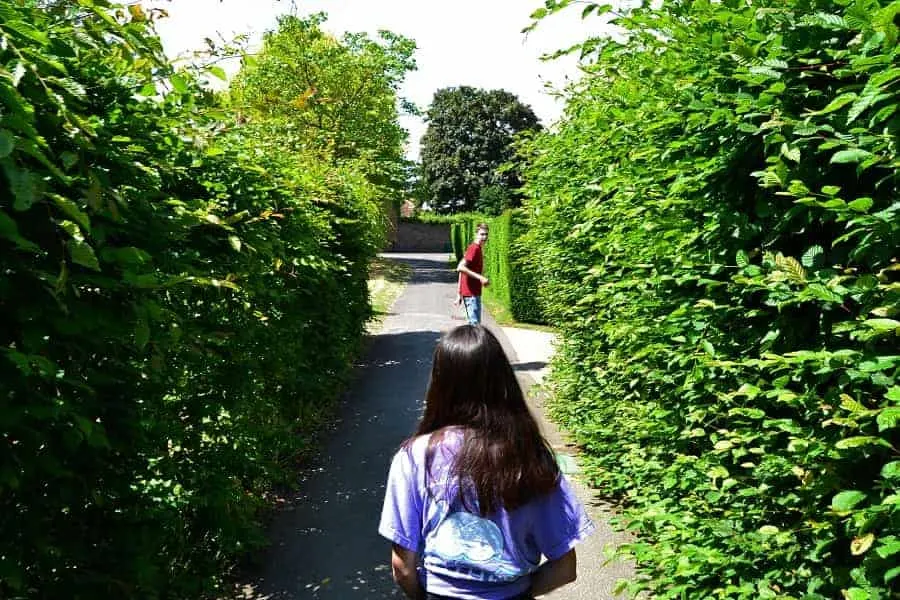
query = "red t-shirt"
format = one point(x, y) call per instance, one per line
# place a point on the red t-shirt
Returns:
point(475, 261)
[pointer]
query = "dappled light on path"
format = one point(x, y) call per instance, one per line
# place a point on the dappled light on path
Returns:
point(324, 541)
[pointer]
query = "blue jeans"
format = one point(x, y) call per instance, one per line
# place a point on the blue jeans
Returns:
point(473, 309)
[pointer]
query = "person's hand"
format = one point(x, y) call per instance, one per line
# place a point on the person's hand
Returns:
point(458, 300)
point(485, 281)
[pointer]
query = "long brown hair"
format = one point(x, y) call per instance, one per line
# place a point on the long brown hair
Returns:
point(503, 458)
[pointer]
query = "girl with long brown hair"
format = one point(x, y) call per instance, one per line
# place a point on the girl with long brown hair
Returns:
point(475, 498)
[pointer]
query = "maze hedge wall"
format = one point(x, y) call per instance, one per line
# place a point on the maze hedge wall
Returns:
point(180, 300)
point(717, 224)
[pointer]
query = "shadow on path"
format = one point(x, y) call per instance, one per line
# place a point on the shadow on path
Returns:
point(535, 365)
point(325, 544)
point(430, 269)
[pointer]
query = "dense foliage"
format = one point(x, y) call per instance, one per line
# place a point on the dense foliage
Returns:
point(434, 218)
point(337, 96)
point(716, 227)
point(469, 138)
point(507, 262)
point(181, 297)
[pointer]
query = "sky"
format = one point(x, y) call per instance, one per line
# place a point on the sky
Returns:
point(465, 42)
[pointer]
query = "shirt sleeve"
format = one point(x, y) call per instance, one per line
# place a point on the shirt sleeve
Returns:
point(471, 251)
point(401, 515)
point(562, 522)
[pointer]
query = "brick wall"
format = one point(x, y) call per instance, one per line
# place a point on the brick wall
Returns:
point(421, 237)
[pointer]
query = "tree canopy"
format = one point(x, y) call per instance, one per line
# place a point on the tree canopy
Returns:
point(329, 95)
point(469, 136)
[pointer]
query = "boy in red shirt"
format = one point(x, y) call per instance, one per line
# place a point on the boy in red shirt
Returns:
point(470, 278)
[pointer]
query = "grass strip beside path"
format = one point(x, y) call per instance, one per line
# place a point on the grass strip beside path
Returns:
point(387, 279)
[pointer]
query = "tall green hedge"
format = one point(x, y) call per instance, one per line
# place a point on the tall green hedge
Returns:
point(506, 262)
point(180, 300)
point(525, 301)
point(716, 226)
point(462, 232)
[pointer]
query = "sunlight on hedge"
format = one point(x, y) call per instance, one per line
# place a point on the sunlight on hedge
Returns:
point(715, 226)
point(183, 281)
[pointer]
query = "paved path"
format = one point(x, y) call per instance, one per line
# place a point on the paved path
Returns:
point(325, 546)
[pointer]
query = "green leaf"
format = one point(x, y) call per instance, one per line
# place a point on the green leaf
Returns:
point(882, 324)
point(791, 153)
point(891, 470)
point(742, 259)
point(861, 544)
point(827, 21)
point(891, 574)
point(811, 256)
point(888, 548)
point(850, 156)
point(218, 72)
point(24, 186)
point(861, 205)
point(235, 242)
point(883, 114)
point(82, 254)
point(71, 86)
point(69, 159)
point(846, 500)
point(855, 593)
point(72, 210)
point(837, 103)
point(767, 72)
point(859, 441)
point(823, 293)
point(7, 143)
point(893, 393)
point(179, 83)
point(888, 418)
point(748, 390)
point(879, 79)
point(79, 250)
point(10, 231)
point(8, 227)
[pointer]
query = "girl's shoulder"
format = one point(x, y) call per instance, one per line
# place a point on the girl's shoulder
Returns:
point(417, 446)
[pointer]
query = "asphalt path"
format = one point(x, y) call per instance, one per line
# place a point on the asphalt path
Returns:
point(324, 542)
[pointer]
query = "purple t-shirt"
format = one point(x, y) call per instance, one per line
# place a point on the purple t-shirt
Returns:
point(465, 555)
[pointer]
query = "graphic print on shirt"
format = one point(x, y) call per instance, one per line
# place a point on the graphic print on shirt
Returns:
point(468, 545)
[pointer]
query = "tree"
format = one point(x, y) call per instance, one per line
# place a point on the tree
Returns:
point(469, 136)
point(493, 200)
point(332, 96)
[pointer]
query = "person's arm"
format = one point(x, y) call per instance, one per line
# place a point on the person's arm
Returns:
point(403, 567)
point(459, 287)
point(554, 574)
point(401, 517)
point(462, 267)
